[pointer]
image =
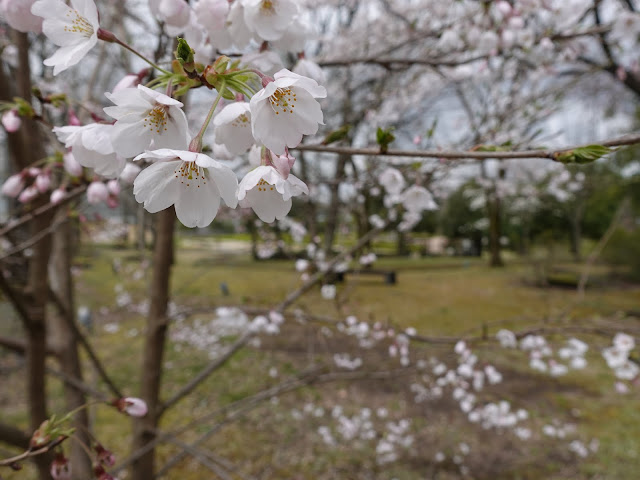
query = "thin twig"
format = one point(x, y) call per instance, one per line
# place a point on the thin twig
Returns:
point(97, 364)
point(631, 139)
point(206, 372)
point(12, 225)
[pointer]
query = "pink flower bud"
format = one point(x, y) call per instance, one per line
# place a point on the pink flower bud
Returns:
point(100, 474)
point(73, 118)
point(135, 407)
point(104, 456)
point(57, 195)
point(283, 163)
point(43, 182)
point(11, 121)
point(114, 187)
point(60, 468)
point(34, 172)
point(112, 202)
point(97, 193)
point(13, 185)
point(71, 165)
point(28, 194)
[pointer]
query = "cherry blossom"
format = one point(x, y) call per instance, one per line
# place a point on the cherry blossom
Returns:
point(269, 18)
point(132, 406)
point(392, 180)
point(146, 118)
point(17, 14)
point(13, 185)
point(92, 147)
point(129, 173)
point(176, 14)
point(57, 195)
point(416, 199)
point(310, 69)
point(74, 29)
point(11, 121)
point(60, 468)
point(28, 194)
point(192, 181)
point(71, 165)
point(269, 193)
point(285, 110)
point(233, 127)
point(97, 192)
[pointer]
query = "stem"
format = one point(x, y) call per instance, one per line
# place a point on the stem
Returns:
point(135, 52)
point(196, 143)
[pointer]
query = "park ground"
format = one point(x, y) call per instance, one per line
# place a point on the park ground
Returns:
point(439, 297)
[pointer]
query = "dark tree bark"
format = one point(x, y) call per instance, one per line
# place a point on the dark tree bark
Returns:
point(65, 342)
point(493, 206)
point(155, 337)
point(25, 148)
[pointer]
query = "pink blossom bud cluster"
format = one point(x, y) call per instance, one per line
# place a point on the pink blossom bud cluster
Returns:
point(28, 184)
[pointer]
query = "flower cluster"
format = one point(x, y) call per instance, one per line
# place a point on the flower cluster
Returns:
point(151, 125)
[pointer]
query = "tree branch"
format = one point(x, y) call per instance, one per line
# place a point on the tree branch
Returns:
point(631, 139)
point(205, 373)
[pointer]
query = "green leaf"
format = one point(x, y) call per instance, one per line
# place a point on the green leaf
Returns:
point(582, 155)
point(184, 53)
point(385, 137)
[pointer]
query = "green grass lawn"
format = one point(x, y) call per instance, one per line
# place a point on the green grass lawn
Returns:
point(437, 296)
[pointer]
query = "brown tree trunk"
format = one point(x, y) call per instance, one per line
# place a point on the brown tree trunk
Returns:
point(25, 148)
point(155, 336)
point(493, 206)
point(65, 342)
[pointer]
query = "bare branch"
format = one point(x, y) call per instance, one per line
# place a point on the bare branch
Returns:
point(631, 139)
point(206, 372)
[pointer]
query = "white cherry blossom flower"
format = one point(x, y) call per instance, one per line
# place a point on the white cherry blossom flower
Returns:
point(233, 127)
point(269, 18)
point(268, 193)
point(285, 110)
point(74, 29)
point(624, 342)
point(146, 118)
point(267, 62)
point(392, 180)
point(129, 173)
point(308, 68)
point(212, 16)
point(71, 165)
point(176, 14)
point(17, 14)
point(238, 29)
point(193, 182)
point(92, 147)
point(295, 36)
point(416, 199)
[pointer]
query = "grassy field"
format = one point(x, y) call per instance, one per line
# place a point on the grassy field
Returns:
point(279, 438)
